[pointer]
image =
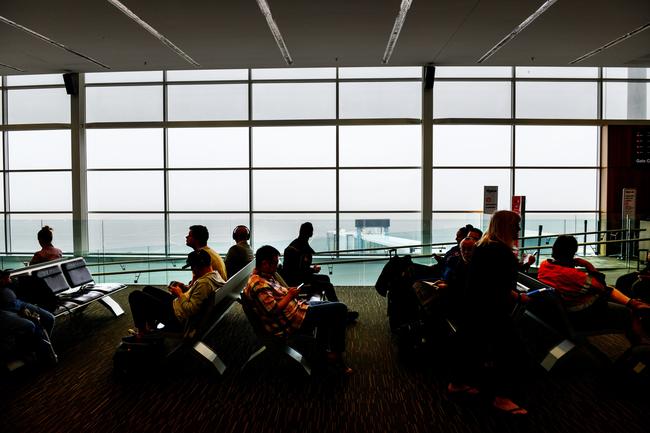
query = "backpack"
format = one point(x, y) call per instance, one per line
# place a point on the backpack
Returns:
point(138, 358)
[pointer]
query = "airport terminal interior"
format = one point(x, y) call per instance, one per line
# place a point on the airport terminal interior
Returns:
point(387, 125)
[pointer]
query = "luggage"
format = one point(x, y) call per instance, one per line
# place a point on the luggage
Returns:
point(136, 357)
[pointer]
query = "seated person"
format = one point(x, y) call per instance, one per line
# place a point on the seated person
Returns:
point(297, 267)
point(240, 254)
point(283, 314)
point(183, 304)
point(589, 302)
point(47, 252)
point(456, 277)
point(24, 328)
point(452, 256)
point(454, 260)
point(197, 239)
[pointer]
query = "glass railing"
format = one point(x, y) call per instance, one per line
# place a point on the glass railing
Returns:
point(135, 262)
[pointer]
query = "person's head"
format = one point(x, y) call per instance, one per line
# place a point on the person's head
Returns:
point(197, 237)
point(44, 236)
point(504, 227)
point(475, 234)
point(241, 234)
point(467, 249)
point(564, 248)
point(5, 278)
point(200, 263)
point(266, 259)
point(462, 232)
point(306, 230)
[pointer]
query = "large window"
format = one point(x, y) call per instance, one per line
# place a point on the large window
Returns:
point(272, 148)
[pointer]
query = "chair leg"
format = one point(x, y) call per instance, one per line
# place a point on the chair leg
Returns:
point(253, 356)
point(112, 306)
point(296, 356)
point(557, 352)
point(209, 354)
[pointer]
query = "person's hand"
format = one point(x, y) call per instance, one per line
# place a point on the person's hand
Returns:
point(441, 284)
point(316, 268)
point(293, 292)
point(530, 259)
point(176, 290)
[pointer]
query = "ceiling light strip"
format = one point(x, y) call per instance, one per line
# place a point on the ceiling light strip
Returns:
point(50, 41)
point(397, 28)
point(543, 8)
point(275, 31)
point(11, 67)
point(126, 11)
point(610, 44)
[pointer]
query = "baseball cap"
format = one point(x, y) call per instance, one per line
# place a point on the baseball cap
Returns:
point(199, 258)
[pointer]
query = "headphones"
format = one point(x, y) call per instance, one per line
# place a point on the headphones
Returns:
point(241, 230)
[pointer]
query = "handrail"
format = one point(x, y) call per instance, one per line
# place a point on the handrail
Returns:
point(362, 259)
point(338, 252)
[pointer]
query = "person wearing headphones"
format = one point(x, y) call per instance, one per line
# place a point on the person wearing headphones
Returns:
point(240, 254)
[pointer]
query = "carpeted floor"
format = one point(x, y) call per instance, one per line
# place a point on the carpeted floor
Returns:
point(387, 393)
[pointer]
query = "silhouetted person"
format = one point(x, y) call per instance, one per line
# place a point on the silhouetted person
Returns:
point(240, 254)
point(47, 252)
point(297, 267)
point(197, 239)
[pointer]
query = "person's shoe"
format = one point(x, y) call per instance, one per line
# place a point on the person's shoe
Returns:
point(352, 316)
point(505, 406)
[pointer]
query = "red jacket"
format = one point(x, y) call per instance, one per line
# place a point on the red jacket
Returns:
point(578, 289)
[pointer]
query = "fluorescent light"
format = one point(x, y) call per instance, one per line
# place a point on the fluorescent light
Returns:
point(275, 31)
point(610, 44)
point(50, 41)
point(397, 28)
point(517, 30)
point(126, 11)
point(11, 67)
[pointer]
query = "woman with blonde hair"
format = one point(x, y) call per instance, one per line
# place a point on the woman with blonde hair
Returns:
point(48, 251)
point(492, 353)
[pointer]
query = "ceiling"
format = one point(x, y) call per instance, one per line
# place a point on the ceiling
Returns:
point(234, 34)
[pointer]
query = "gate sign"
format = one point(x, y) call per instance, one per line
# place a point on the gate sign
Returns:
point(629, 204)
point(490, 199)
point(519, 207)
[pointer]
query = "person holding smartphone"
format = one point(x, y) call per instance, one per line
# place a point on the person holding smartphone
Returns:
point(282, 313)
point(181, 305)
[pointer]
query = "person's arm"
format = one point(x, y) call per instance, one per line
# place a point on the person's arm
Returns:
point(584, 264)
point(291, 294)
point(192, 302)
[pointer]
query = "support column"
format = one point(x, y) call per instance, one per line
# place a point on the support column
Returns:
point(79, 168)
point(427, 156)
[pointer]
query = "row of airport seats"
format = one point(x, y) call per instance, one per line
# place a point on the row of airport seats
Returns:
point(201, 336)
point(68, 286)
point(71, 282)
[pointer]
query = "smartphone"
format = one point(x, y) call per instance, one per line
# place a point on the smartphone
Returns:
point(541, 290)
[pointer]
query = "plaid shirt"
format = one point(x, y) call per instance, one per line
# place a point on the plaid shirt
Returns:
point(264, 292)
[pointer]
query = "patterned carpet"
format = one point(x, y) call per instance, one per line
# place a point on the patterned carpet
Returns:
point(387, 393)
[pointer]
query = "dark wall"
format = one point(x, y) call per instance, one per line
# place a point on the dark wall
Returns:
point(622, 170)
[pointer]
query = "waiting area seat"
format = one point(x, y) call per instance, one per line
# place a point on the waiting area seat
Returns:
point(271, 343)
point(222, 301)
point(70, 281)
point(547, 310)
